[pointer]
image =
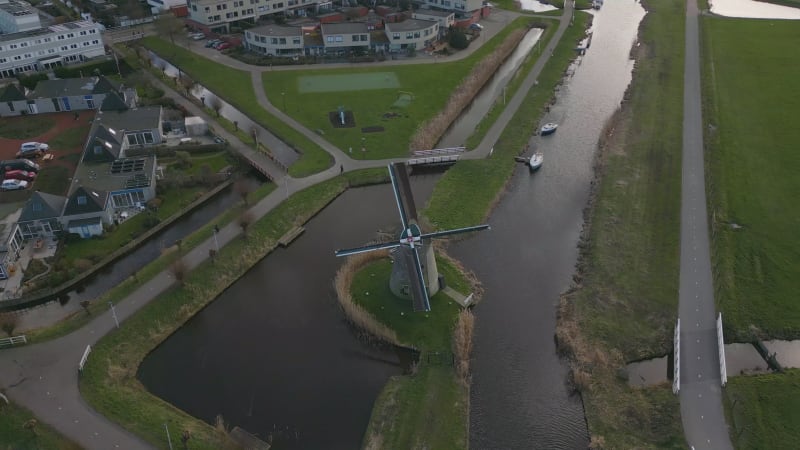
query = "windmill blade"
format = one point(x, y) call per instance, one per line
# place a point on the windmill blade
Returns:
point(402, 193)
point(419, 293)
point(366, 248)
point(439, 234)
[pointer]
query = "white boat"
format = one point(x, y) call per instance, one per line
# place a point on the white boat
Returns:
point(548, 128)
point(536, 161)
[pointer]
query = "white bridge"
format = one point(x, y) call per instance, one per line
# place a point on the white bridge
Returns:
point(436, 156)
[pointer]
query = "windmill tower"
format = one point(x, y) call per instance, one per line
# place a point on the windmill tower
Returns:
point(412, 276)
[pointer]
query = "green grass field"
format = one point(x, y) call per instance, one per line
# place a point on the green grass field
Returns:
point(430, 84)
point(14, 435)
point(763, 410)
point(25, 128)
point(427, 409)
point(752, 156)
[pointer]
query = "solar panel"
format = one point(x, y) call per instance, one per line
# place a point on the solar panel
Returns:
point(137, 181)
point(127, 165)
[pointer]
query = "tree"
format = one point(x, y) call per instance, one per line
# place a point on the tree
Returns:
point(168, 25)
point(457, 39)
point(216, 104)
point(179, 270)
point(245, 220)
point(85, 305)
point(243, 188)
point(8, 323)
point(254, 133)
point(186, 82)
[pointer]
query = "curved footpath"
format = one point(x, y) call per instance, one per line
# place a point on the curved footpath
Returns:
point(44, 377)
point(700, 388)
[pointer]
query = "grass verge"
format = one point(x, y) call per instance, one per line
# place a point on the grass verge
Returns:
point(763, 410)
point(19, 430)
point(109, 381)
point(625, 302)
point(429, 408)
point(751, 153)
point(25, 128)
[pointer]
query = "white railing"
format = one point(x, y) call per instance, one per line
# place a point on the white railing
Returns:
point(723, 369)
point(84, 358)
point(447, 159)
point(440, 151)
point(14, 340)
point(676, 378)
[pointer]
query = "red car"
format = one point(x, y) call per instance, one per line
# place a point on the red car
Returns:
point(223, 46)
point(20, 175)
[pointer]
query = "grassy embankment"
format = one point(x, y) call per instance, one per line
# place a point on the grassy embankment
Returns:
point(235, 86)
point(424, 81)
point(626, 300)
point(752, 156)
point(457, 199)
point(429, 408)
point(15, 435)
point(109, 381)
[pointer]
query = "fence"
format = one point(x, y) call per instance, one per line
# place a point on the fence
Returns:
point(676, 379)
point(433, 160)
point(440, 151)
point(14, 340)
point(84, 358)
point(723, 370)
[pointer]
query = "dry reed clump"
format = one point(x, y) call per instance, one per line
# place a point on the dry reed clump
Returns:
point(597, 443)
point(357, 315)
point(428, 134)
point(462, 344)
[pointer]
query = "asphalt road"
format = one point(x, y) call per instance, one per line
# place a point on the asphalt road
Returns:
point(700, 390)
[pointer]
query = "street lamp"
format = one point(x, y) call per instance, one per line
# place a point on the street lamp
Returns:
point(283, 95)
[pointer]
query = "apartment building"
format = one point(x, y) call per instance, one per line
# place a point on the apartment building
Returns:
point(465, 7)
point(411, 33)
point(217, 15)
point(275, 40)
point(26, 46)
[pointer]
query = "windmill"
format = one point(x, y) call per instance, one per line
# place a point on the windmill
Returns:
point(409, 271)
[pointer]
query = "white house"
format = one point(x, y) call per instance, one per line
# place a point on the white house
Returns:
point(345, 36)
point(411, 33)
point(274, 40)
point(446, 19)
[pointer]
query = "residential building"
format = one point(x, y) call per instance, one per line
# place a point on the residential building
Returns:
point(159, 6)
point(446, 19)
point(275, 40)
point(457, 6)
point(217, 15)
point(34, 50)
point(347, 36)
point(17, 16)
point(86, 211)
point(69, 94)
point(39, 216)
point(412, 33)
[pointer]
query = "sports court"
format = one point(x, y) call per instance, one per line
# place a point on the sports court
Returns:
point(347, 82)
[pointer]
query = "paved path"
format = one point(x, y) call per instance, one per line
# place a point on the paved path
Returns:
point(700, 394)
point(44, 377)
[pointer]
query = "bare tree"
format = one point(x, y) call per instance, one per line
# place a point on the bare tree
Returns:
point(254, 133)
point(245, 220)
point(168, 25)
point(8, 323)
point(85, 305)
point(186, 82)
point(216, 104)
point(243, 188)
point(179, 270)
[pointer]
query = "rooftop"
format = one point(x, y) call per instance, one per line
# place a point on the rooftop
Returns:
point(72, 86)
point(409, 25)
point(434, 12)
point(117, 175)
point(48, 30)
point(276, 30)
point(344, 28)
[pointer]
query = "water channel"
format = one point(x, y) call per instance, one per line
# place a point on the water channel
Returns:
point(281, 361)
point(519, 396)
point(273, 354)
point(113, 274)
point(753, 9)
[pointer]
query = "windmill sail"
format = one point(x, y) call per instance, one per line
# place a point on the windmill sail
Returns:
point(401, 185)
point(366, 248)
point(416, 281)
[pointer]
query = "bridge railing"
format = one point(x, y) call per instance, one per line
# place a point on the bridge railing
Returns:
point(440, 151)
point(723, 369)
point(676, 379)
point(14, 340)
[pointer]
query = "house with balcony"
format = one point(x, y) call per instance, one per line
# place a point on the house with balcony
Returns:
point(445, 19)
point(218, 15)
point(411, 34)
point(275, 40)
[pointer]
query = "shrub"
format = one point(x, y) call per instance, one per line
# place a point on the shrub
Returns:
point(457, 39)
point(82, 264)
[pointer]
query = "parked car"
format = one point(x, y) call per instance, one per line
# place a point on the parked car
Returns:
point(19, 164)
point(212, 43)
point(223, 46)
point(217, 44)
point(197, 36)
point(13, 185)
point(476, 26)
point(20, 175)
point(33, 147)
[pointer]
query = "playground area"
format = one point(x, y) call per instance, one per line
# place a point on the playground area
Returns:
point(310, 84)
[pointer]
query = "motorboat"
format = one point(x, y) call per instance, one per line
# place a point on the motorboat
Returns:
point(536, 161)
point(548, 128)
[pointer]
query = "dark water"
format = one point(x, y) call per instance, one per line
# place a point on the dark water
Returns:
point(519, 397)
point(273, 354)
point(112, 275)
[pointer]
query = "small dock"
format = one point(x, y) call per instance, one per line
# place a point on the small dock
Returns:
point(290, 236)
point(464, 301)
point(247, 441)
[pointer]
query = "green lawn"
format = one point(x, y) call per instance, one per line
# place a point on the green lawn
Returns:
point(70, 139)
point(752, 157)
point(428, 409)
point(14, 435)
point(25, 127)
point(426, 82)
point(763, 410)
point(53, 180)
point(235, 87)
